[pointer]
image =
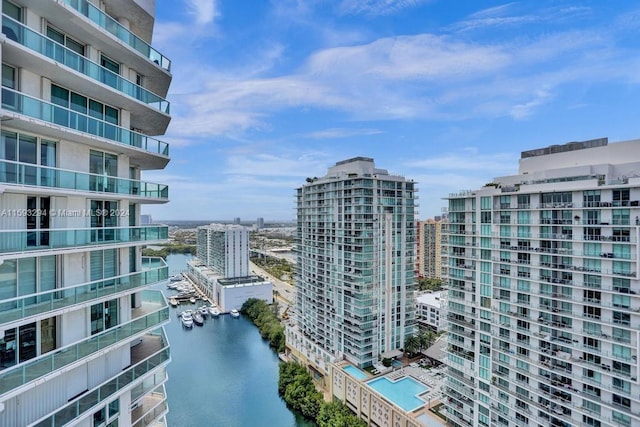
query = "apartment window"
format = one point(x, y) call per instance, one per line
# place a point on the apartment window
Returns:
point(104, 218)
point(79, 110)
point(48, 335)
point(621, 419)
point(524, 201)
point(622, 301)
point(26, 149)
point(588, 421)
point(38, 220)
point(18, 345)
point(591, 198)
point(102, 166)
point(104, 315)
point(620, 216)
point(27, 276)
point(10, 99)
point(110, 72)
point(104, 264)
point(620, 197)
point(621, 401)
point(621, 285)
point(621, 318)
point(621, 384)
point(9, 28)
point(621, 335)
point(64, 40)
point(591, 406)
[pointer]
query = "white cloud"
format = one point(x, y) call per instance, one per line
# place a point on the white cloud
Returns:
point(336, 133)
point(204, 11)
point(376, 7)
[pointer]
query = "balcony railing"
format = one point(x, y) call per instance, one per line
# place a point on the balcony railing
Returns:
point(45, 46)
point(81, 405)
point(43, 176)
point(57, 115)
point(26, 306)
point(62, 238)
point(112, 26)
point(34, 369)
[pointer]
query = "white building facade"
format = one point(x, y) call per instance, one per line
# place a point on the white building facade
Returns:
point(354, 272)
point(544, 299)
point(431, 310)
point(224, 248)
point(81, 337)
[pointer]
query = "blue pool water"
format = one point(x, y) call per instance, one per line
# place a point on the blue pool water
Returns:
point(402, 392)
point(355, 372)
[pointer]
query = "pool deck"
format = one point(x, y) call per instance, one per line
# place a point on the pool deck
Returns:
point(433, 378)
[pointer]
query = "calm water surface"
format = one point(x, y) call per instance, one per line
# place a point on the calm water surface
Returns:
point(222, 374)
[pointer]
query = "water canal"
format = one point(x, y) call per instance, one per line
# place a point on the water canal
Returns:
point(222, 374)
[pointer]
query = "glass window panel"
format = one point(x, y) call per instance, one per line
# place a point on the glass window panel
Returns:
point(8, 77)
point(27, 342)
point(8, 279)
point(59, 96)
point(8, 349)
point(26, 276)
point(55, 35)
point(12, 10)
point(47, 335)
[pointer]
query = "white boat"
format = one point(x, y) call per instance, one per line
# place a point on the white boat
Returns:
point(198, 319)
point(204, 311)
point(235, 313)
point(174, 302)
point(187, 320)
point(176, 278)
point(192, 300)
point(213, 311)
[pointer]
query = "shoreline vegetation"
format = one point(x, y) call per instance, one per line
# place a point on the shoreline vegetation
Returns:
point(295, 384)
point(265, 317)
point(168, 249)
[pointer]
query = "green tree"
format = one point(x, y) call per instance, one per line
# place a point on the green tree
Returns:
point(337, 414)
point(412, 344)
point(426, 339)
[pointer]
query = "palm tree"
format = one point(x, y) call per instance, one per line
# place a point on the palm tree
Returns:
point(412, 344)
point(426, 339)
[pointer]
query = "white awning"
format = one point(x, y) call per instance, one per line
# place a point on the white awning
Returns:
point(391, 354)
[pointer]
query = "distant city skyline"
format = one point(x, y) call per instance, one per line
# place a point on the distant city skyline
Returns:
point(266, 96)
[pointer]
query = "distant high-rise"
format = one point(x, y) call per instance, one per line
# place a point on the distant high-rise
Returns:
point(354, 275)
point(224, 249)
point(429, 251)
point(260, 223)
point(81, 336)
point(146, 219)
point(544, 292)
point(236, 220)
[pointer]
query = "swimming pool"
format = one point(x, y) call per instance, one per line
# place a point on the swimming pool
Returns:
point(402, 392)
point(355, 372)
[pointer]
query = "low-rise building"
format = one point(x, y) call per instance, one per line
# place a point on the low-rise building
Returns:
point(431, 310)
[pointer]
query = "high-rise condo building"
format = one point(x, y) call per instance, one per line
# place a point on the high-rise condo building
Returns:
point(83, 95)
point(224, 248)
point(544, 292)
point(429, 250)
point(354, 275)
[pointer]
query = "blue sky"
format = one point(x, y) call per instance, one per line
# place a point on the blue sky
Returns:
point(267, 93)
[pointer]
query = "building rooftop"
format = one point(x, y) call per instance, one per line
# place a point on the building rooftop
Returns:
point(430, 298)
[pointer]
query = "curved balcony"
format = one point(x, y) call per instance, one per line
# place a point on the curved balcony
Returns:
point(43, 176)
point(24, 307)
point(154, 313)
point(144, 361)
point(22, 104)
point(37, 42)
point(112, 26)
point(12, 241)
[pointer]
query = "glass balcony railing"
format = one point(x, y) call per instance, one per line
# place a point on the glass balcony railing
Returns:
point(14, 309)
point(61, 238)
point(34, 369)
point(43, 176)
point(35, 41)
point(55, 114)
point(112, 26)
point(78, 407)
